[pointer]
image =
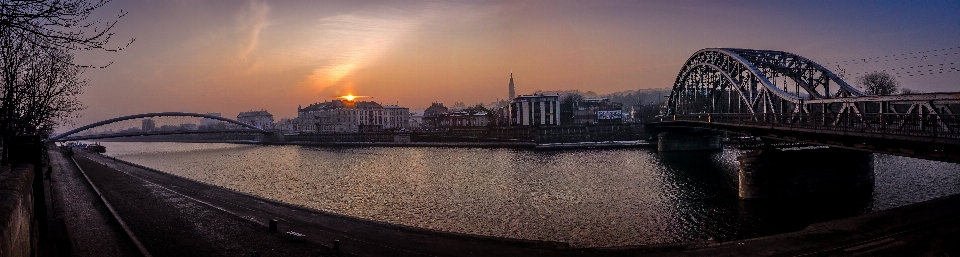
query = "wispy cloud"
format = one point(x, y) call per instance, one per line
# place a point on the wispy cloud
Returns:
point(353, 41)
point(348, 42)
point(251, 22)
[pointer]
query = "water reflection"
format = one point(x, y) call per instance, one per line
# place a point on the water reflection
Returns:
point(582, 197)
point(707, 187)
point(773, 217)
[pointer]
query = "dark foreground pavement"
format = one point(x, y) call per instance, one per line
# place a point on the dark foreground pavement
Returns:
point(173, 216)
point(78, 212)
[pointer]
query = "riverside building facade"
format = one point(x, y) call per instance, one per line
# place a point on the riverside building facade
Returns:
point(467, 117)
point(597, 111)
point(395, 117)
point(260, 119)
point(535, 110)
point(344, 116)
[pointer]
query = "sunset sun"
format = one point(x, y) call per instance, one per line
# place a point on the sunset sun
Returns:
point(349, 97)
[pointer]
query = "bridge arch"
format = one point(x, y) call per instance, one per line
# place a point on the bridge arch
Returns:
point(156, 114)
point(732, 80)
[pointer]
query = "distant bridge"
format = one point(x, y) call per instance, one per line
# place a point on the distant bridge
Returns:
point(736, 90)
point(66, 136)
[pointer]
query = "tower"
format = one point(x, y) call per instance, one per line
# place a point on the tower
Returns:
point(513, 93)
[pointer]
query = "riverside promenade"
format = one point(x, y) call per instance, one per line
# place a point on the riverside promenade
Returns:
point(173, 216)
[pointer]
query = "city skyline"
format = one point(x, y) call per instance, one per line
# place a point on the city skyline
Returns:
point(228, 57)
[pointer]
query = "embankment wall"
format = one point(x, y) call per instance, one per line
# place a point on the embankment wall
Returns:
point(18, 230)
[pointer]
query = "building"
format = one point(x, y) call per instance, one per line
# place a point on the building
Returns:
point(188, 126)
point(286, 125)
point(643, 113)
point(431, 115)
point(148, 125)
point(466, 117)
point(416, 119)
point(169, 128)
point(395, 117)
point(131, 130)
point(260, 119)
point(435, 109)
point(535, 110)
point(597, 111)
point(343, 116)
point(208, 122)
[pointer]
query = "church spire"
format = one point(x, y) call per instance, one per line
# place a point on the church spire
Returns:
point(513, 93)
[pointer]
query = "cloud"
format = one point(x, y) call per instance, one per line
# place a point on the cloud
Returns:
point(252, 20)
point(348, 42)
point(352, 41)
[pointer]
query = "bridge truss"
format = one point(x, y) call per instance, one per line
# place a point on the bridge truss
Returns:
point(747, 90)
point(247, 128)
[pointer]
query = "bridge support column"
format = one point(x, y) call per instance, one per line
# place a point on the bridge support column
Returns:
point(775, 173)
point(273, 137)
point(688, 141)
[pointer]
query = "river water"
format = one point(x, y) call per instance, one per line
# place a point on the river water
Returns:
point(588, 198)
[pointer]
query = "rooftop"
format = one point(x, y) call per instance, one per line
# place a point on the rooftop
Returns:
point(254, 114)
point(337, 104)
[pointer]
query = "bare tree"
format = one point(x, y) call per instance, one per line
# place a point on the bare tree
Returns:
point(49, 95)
point(878, 83)
point(39, 80)
point(63, 24)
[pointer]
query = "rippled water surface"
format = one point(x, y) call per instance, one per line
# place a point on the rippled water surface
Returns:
point(582, 197)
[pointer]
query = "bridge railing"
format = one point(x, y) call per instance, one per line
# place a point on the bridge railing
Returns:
point(920, 125)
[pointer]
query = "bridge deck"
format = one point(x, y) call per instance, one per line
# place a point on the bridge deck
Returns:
point(897, 134)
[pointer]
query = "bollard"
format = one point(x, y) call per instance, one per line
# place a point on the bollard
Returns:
point(273, 225)
point(336, 245)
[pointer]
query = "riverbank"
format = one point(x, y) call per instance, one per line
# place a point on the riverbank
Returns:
point(928, 227)
point(467, 144)
point(519, 144)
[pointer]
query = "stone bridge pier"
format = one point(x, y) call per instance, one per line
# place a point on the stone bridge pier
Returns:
point(772, 173)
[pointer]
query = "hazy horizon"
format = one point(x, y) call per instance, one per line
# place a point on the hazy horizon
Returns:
point(233, 56)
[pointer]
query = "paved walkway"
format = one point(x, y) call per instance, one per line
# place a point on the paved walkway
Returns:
point(88, 224)
point(174, 216)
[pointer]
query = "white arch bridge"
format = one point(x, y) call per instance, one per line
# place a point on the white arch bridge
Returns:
point(67, 136)
point(781, 95)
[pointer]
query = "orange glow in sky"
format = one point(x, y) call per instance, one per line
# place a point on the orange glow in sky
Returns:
point(351, 97)
point(233, 56)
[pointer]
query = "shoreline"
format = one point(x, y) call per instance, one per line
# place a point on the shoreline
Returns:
point(860, 232)
point(517, 144)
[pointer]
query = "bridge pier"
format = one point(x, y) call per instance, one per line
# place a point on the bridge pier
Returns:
point(273, 137)
point(775, 173)
point(688, 140)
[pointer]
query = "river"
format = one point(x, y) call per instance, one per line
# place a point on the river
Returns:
point(588, 198)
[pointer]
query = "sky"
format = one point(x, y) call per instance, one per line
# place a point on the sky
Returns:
point(237, 55)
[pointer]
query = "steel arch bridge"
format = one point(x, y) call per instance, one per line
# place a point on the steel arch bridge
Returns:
point(780, 94)
point(66, 135)
point(731, 80)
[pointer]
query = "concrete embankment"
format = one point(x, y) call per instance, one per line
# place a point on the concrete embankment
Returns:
point(172, 224)
point(18, 230)
point(82, 217)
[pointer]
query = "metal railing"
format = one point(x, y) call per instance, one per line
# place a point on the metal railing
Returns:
point(917, 125)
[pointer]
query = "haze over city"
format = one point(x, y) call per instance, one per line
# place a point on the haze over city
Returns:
point(479, 128)
point(234, 56)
